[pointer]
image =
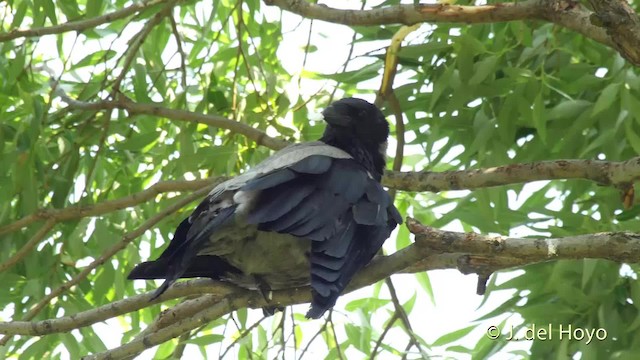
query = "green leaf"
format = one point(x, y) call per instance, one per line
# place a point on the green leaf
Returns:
point(453, 336)
point(538, 116)
point(69, 8)
point(94, 7)
point(367, 304)
point(606, 99)
point(19, 13)
point(422, 51)
point(408, 305)
point(138, 142)
point(629, 214)
point(93, 58)
point(352, 77)
point(589, 266)
point(63, 181)
point(140, 83)
point(425, 283)
point(482, 69)
point(206, 340)
point(50, 10)
point(568, 109)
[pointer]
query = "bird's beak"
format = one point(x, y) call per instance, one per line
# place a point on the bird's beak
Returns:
point(335, 118)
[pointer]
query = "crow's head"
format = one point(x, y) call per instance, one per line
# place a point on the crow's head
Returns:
point(352, 118)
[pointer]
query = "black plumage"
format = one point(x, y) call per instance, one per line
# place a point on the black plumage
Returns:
point(313, 213)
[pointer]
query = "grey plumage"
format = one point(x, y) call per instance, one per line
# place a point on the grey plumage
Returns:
point(312, 213)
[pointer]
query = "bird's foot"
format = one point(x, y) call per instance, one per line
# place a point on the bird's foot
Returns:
point(267, 294)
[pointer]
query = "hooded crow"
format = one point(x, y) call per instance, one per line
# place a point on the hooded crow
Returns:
point(312, 213)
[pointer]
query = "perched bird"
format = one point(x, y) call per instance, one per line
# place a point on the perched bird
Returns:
point(312, 213)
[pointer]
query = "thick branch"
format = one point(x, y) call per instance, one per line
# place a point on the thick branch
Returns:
point(188, 308)
point(483, 254)
point(621, 27)
point(432, 249)
point(116, 308)
point(620, 174)
point(615, 173)
point(416, 13)
point(573, 16)
point(380, 268)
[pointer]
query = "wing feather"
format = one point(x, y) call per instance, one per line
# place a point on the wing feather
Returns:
point(335, 203)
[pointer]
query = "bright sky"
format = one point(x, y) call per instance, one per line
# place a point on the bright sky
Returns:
point(456, 305)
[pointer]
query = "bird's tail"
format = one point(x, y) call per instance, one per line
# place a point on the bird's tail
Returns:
point(202, 266)
point(182, 260)
point(149, 270)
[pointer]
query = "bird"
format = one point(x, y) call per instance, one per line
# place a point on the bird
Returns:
point(313, 213)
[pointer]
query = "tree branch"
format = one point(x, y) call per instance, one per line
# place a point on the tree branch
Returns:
point(26, 248)
point(81, 25)
point(414, 13)
point(482, 254)
point(126, 239)
point(614, 23)
point(205, 316)
point(621, 24)
point(432, 249)
point(620, 174)
point(613, 173)
point(137, 42)
point(169, 318)
point(122, 103)
point(116, 308)
point(80, 211)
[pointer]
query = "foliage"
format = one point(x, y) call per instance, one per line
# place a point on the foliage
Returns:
point(472, 97)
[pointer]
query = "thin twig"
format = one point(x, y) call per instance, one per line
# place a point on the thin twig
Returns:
point(244, 334)
point(179, 350)
point(335, 336)
point(183, 56)
point(205, 316)
point(404, 318)
point(26, 248)
point(81, 25)
point(132, 51)
point(258, 136)
point(80, 211)
point(387, 327)
point(320, 331)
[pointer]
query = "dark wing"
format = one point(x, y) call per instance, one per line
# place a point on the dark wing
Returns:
point(374, 217)
point(241, 198)
point(335, 203)
point(217, 211)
